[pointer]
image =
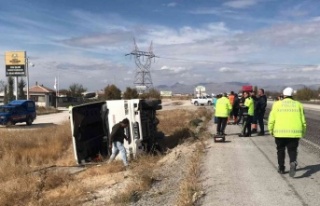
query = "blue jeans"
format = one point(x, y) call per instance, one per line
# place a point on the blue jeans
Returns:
point(116, 147)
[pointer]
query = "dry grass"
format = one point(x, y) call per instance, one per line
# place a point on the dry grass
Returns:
point(24, 154)
point(178, 125)
point(175, 124)
point(189, 186)
point(173, 120)
point(190, 189)
point(46, 110)
point(187, 97)
point(142, 169)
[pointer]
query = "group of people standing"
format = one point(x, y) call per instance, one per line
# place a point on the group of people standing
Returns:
point(249, 110)
point(286, 122)
point(256, 108)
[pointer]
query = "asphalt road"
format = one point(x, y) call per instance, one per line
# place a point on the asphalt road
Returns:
point(243, 171)
point(56, 118)
point(45, 120)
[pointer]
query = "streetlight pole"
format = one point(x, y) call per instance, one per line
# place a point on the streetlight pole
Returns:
point(16, 86)
point(27, 73)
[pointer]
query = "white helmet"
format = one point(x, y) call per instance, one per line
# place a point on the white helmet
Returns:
point(288, 92)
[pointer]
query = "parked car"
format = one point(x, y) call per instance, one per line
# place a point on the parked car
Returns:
point(18, 111)
point(201, 101)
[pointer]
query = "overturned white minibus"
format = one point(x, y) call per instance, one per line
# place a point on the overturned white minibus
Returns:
point(91, 126)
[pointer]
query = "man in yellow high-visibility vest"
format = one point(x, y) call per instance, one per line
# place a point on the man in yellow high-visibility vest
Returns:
point(223, 108)
point(287, 124)
point(248, 110)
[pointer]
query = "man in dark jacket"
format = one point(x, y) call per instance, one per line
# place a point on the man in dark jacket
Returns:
point(235, 108)
point(261, 109)
point(117, 139)
point(255, 116)
point(241, 110)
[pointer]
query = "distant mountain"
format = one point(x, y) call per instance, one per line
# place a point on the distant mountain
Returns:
point(217, 88)
point(162, 87)
point(210, 87)
point(279, 88)
point(315, 86)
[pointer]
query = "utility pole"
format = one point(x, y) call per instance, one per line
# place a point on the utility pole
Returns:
point(28, 63)
point(143, 61)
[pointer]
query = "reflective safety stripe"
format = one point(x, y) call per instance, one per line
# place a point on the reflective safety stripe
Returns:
point(288, 110)
point(292, 131)
point(288, 103)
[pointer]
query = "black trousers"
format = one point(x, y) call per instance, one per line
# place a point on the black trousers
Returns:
point(292, 146)
point(221, 125)
point(260, 116)
point(240, 116)
point(246, 127)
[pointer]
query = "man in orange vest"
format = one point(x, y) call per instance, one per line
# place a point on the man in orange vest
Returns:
point(231, 99)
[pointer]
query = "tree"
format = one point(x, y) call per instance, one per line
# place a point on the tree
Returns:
point(63, 91)
point(2, 85)
point(151, 94)
point(21, 85)
point(306, 94)
point(5, 99)
point(10, 88)
point(112, 92)
point(76, 90)
point(255, 89)
point(130, 93)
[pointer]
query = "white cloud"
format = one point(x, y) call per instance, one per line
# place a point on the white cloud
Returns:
point(93, 40)
point(297, 10)
point(234, 15)
point(291, 34)
point(185, 35)
point(240, 4)
point(211, 10)
point(294, 13)
point(173, 69)
point(317, 18)
point(310, 69)
point(273, 76)
point(227, 70)
point(172, 4)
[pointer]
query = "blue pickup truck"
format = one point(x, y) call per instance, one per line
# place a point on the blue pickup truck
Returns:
point(18, 111)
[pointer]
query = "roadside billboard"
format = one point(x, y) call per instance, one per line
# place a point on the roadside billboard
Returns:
point(166, 93)
point(15, 63)
point(200, 91)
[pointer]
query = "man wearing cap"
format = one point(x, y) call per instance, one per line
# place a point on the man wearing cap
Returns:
point(117, 137)
point(287, 124)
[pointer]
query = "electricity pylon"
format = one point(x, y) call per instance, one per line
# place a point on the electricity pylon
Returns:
point(142, 80)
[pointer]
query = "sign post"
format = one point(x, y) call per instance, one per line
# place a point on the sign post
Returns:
point(15, 65)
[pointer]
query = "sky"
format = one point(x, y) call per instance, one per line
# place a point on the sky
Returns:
point(261, 42)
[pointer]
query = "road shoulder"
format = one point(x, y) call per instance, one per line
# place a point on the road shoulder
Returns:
point(243, 171)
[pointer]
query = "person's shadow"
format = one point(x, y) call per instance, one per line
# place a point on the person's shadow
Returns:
point(309, 170)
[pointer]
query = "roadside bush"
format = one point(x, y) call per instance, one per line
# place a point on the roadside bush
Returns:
point(46, 110)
